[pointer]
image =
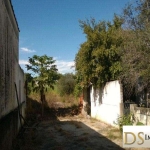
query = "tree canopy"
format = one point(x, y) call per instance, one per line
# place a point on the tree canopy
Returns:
point(45, 74)
point(136, 47)
point(117, 50)
point(98, 59)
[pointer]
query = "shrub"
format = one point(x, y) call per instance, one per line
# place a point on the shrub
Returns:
point(139, 124)
point(66, 84)
point(125, 120)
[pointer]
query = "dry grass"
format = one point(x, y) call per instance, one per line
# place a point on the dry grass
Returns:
point(55, 100)
point(114, 133)
point(33, 113)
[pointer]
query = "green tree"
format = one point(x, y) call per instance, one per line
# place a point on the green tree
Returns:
point(136, 47)
point(98, 59)
point(66, 84)
point(45, 74)
point(136, 15)
point(29, 80)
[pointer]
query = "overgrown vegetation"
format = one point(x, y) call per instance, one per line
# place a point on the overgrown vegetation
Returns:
point(60, 96)
point(136, 48)
point(45, 75)
point(128, 119)
point(118, 50)
point(125, 120)
point(66, 84)
point(98, 59)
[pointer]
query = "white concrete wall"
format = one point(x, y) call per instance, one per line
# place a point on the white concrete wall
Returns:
point(107, 102)
point(141, 114)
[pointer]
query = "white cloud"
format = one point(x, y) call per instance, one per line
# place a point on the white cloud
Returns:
point(65, 66)
point(24, 49)
point(62, 65)
point(23, 62)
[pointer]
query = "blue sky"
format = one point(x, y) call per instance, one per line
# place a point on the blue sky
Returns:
point(51, 27)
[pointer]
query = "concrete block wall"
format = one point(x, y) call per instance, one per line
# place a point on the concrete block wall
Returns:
point(141, 114)
point(107, 102)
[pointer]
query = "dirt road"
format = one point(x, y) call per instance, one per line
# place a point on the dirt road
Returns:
point(67, 129)
point(70, 133)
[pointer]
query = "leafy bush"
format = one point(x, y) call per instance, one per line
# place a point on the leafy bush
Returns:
point(78, 90)
point(139, 124)
point(125, 120)
point(66, 84)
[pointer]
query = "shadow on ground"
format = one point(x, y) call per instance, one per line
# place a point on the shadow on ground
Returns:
point(60, 129)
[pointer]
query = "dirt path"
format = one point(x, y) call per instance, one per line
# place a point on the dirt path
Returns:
point(70, 133)
point(66, 129)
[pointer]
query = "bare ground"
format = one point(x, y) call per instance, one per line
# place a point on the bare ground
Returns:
point(66, 129)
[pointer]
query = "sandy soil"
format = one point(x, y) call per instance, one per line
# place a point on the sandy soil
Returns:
point(66, 129)
point(69, 133)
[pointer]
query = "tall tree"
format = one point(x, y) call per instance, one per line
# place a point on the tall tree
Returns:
point(45, 74)
point(136, 48)
point(98, 59)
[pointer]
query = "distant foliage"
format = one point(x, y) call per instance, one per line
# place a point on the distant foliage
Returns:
point(66, 84)
point(78, 90)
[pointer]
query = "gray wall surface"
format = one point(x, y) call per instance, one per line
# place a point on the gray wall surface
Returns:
point(9, 37)
point(10, 73)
